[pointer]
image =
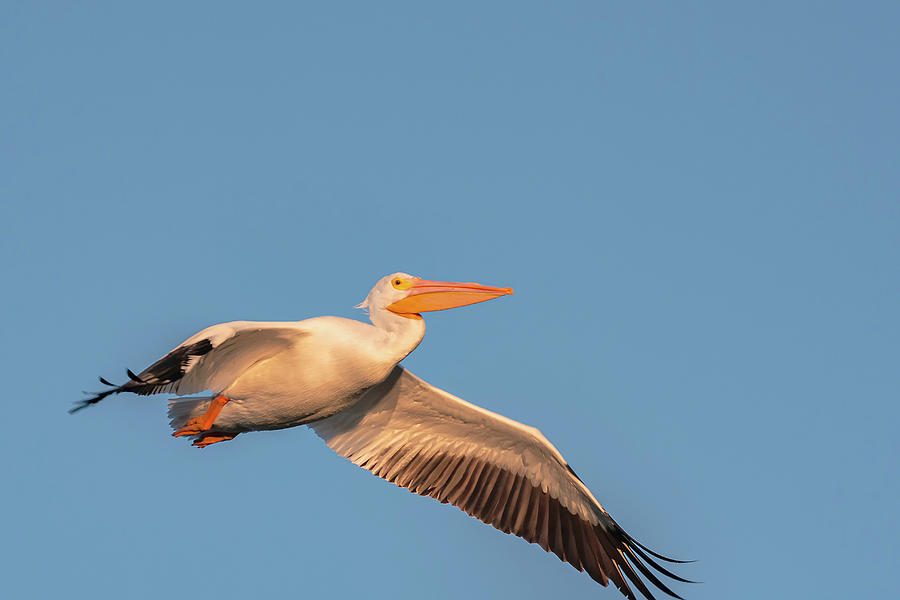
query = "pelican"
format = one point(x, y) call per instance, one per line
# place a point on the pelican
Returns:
point(342, 378)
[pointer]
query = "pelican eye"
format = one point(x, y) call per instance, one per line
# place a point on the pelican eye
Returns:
point(401, 283)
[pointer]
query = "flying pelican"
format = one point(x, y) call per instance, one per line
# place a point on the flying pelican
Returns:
point(341, 377)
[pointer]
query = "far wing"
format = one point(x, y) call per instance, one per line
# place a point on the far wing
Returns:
point(495, 469)
point(209, 360)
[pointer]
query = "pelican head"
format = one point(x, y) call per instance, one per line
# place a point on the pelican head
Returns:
point(408, 296)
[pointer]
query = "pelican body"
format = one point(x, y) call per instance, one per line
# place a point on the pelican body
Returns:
point(342, 378)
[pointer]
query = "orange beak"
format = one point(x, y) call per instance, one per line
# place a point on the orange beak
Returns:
point(425, 295)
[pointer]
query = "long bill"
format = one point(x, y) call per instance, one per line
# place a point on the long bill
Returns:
point(425, 295)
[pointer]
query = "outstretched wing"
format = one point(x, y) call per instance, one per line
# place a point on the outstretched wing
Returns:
point(209, 360)
point(495, 469)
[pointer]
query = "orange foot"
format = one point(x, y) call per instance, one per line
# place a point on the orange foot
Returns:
point(203, 423)
point(206, 440)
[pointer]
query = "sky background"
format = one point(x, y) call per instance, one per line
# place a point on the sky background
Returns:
point(696, 203)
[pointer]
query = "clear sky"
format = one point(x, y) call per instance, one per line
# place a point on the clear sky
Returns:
point(698, 205)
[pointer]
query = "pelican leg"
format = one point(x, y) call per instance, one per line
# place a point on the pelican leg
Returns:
point(205, 421)
point(207, 439)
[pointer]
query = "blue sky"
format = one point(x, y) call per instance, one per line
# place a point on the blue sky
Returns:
point(697, 205)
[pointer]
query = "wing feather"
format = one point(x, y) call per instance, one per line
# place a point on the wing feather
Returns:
point(210, 360)
point(493, 468)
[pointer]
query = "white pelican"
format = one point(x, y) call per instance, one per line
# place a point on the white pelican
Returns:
point(341, 377)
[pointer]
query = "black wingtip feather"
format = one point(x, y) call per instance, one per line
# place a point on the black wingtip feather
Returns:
point(97, 397)
point(658, 566)
point(626, 568)
point(78, 406)
point(159, 376)
point(659, 556)
point(649, 574)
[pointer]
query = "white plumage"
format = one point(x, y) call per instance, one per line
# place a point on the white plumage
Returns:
point(341, 377)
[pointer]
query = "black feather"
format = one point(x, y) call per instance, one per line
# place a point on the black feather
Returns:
point(658, 566)
point(171, 367)
point(649, 574)
point(93, 399)
point(155, 378)
point(659, 556)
